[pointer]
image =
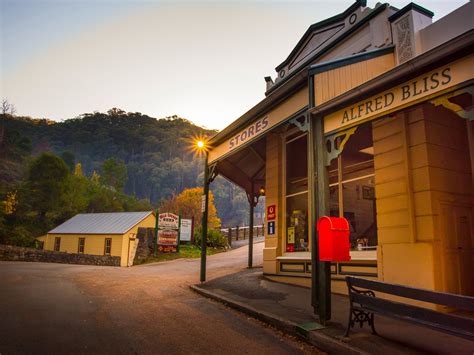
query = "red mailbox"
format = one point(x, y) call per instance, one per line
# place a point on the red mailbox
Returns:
point(333, 235)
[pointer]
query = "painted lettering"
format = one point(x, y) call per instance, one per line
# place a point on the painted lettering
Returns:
point(405, 92)
point(368, 107)
point(445, 74)
point(378, 103)
point(425, 84)
point(415, 92)
point(249, 132)
point(434, 80)
point(251, 129)
point(345, 117)
point(352, 114)
point(389, 98)
point(360, 109)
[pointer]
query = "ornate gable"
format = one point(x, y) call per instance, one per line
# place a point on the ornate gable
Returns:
point(353, 27)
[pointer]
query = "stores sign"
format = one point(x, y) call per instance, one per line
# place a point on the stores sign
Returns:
point(248, 133)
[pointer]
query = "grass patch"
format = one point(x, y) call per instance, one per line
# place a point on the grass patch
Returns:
point(185, 251)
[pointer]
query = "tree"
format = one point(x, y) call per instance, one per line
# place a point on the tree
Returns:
point(188, 205)
point(69, 158)
point(7, 108)
point(78, 170)
point(46, 178)
point(114, 174)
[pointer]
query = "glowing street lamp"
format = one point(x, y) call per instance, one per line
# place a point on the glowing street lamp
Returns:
point(200, 146)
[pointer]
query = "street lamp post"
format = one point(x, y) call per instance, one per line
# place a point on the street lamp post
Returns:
point(204, 209)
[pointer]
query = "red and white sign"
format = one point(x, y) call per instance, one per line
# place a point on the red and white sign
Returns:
point(168, 232)
point(168, 221)
point(271, 212)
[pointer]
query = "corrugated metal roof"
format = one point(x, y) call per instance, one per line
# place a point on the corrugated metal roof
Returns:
point(101, 223)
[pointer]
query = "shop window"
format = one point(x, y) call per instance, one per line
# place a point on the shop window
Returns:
point(296, 173)
point(352, 188)
point(81, 245)
point(108, 246)
point(57, 243)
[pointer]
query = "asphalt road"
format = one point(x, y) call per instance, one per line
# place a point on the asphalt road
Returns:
point(56, 308)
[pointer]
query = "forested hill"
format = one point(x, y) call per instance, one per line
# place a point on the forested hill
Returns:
point(156, 151)
point(157, 154)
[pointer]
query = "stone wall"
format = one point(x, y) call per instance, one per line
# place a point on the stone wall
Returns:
point(146, 236)
point(13, 253)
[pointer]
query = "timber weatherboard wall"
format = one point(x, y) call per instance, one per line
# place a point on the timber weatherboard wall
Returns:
point(335, 81)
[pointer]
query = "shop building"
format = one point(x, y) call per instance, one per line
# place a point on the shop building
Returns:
point(113, 234)
point(369, 118)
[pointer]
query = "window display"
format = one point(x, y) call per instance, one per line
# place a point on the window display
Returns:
point(352, 188)
point(296, 193)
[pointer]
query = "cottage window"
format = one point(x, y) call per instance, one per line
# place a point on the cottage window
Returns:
point(296, 199)
point(57, 243)
point(352, 188)
point(81, 245)
point(108, 246)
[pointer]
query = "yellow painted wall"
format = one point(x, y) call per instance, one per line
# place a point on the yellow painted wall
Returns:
point(273, 196)
point(442, 181)
point(421, 163)
point(95, 243)
point(148, 222)
point(332, 83)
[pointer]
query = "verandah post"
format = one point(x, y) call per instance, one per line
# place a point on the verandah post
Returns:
point(324, 267)
point(252, 205)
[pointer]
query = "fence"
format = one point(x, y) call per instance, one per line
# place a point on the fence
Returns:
point(239, 233)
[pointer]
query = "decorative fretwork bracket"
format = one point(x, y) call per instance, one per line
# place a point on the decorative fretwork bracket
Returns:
point(334, 150)
point(448, 102)
point(252, 198)
point(212, 172)
point(302, 122)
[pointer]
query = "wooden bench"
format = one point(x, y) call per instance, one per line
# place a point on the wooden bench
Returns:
point(364, 304)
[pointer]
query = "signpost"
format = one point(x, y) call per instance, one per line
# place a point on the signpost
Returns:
point(185, 230)
point(168, 233)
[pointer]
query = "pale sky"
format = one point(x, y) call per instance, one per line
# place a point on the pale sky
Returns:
point(201, 60)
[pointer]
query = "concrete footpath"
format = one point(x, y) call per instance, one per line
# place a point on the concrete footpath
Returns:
point(286, 307)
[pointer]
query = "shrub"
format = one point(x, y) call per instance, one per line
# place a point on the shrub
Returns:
point(20, 236)
point(215, 238)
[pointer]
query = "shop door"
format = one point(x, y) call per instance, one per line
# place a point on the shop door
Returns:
point(458, 248)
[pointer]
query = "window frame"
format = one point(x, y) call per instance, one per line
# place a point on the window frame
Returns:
point(309, 217)
point(57, 244)
point(83, 240)
point(341, 181)
point(109, 246)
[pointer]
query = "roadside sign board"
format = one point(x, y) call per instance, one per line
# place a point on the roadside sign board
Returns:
point(168, 221)
point(168, 233)
point(271, 212)
point(186, 228)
